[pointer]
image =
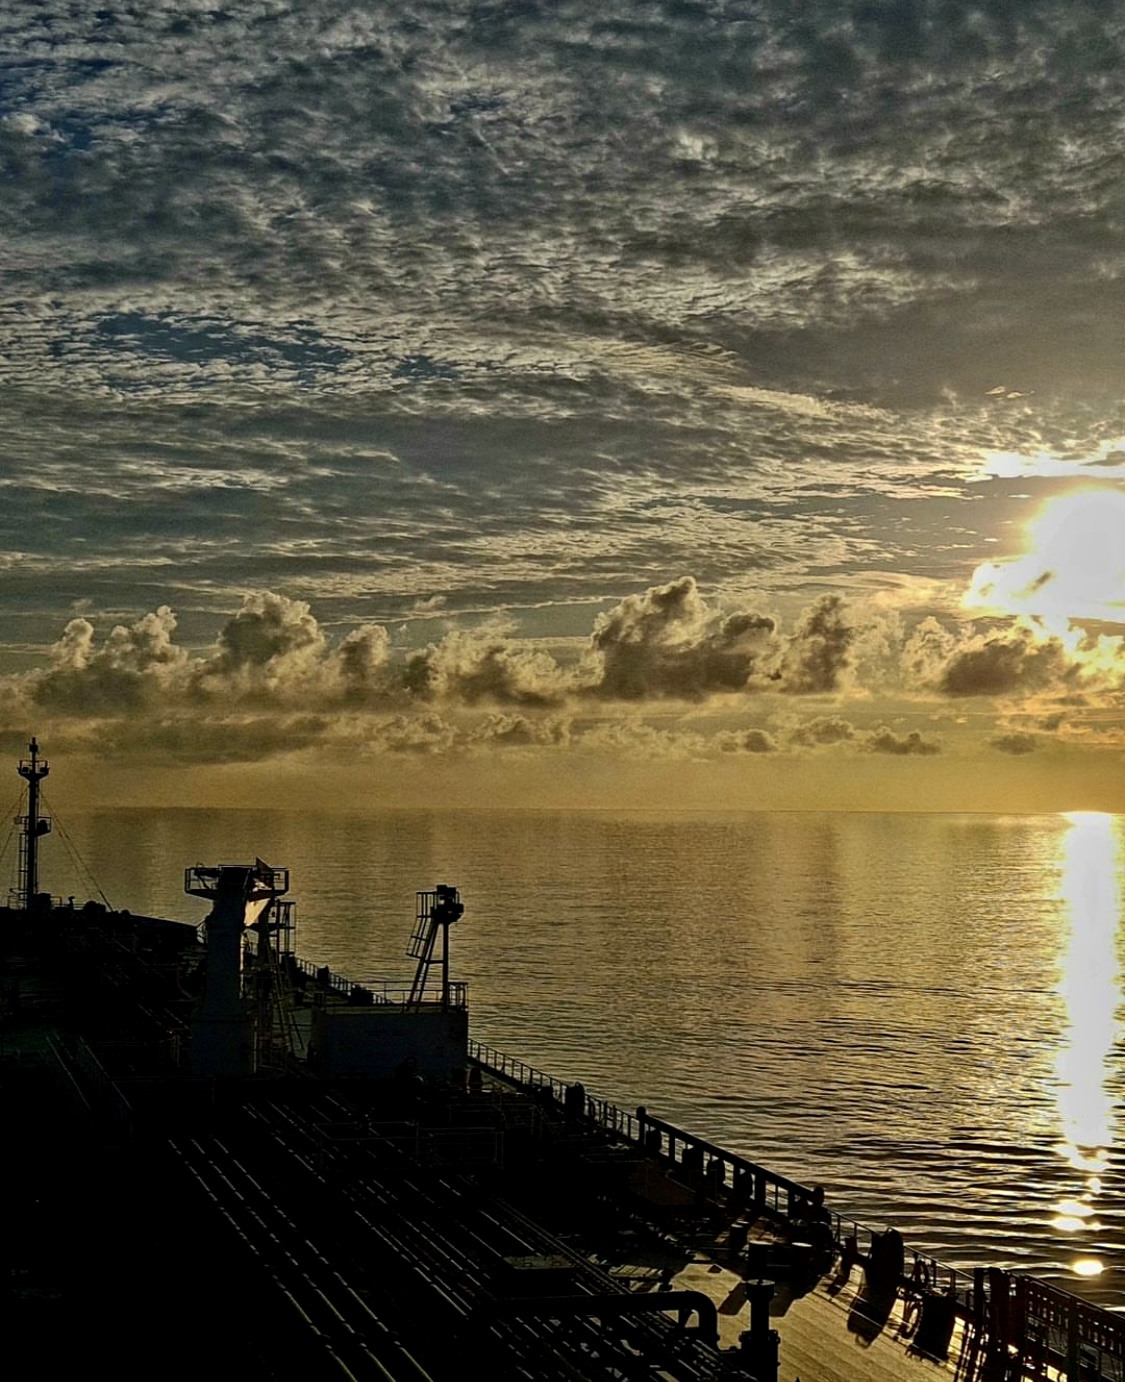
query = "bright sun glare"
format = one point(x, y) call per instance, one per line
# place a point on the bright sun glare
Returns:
point(1074, 567)
point(1090, 889)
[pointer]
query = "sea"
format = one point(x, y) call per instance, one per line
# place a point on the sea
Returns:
point(921, 1013)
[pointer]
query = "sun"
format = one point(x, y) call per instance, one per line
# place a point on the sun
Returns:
point(1073, 569)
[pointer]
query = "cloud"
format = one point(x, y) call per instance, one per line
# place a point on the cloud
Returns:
point(822, 730)
point(670, 642)
point(927, 651)
point(183, 740)
point(363, 661)
point(272, 652)
point(885, 740)
point(507, 730)
point(818, 653)
point(484, 665)
point(745, 741)
point(272, 646)
point(1019, 660)
point(424, 733)
point(667, 644)
point(1016, 742)
point(636, 739)
point(1006, 664)
point(275, 681)
point(135, 666)
point(524, 313)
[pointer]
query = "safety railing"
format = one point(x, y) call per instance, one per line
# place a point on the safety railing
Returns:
point(717, 1172)
point(1039, 1330)
point(314, 978)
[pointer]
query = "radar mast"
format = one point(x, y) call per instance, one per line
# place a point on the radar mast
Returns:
point(33, 770)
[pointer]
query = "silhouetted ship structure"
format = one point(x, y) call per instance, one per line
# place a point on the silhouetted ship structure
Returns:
point(219, 1156)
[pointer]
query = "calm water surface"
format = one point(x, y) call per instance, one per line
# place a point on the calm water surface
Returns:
point(921, 1013)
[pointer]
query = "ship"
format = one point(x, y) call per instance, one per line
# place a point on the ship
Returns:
point(219, 1155)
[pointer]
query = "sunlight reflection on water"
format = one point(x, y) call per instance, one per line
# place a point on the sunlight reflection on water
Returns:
point(1090, 889)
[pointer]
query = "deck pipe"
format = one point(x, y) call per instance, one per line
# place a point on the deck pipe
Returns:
point(760, 1345)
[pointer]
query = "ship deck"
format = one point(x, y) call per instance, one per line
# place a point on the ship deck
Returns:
point(826, 1334)
point(837, 1322)
point(829, 1329)
point(389, 1228)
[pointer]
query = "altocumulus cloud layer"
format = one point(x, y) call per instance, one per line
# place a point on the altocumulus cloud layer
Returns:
point(409, 353)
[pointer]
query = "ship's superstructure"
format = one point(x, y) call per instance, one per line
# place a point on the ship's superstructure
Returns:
point(223, 1028)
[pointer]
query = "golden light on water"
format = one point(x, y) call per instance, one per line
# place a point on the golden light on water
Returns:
point(1091, 892)
point(1075, 1216)
point(1087, 1266)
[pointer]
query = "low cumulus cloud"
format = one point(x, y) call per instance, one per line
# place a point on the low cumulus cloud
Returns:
point(635, 738)
point(275, 680)
point(363, 661)
point(182, 740)
point(1006, 665)
point(885, 740)
point(133, 667)
point(272, 648)
point(271, 652)
point(1017, 742)
point(1019, 660)
point(484, 665)
point(425, 733)
point(745, 741)
point(670, 643)
point(825, 729)
point(818, 654)
point(506, 729)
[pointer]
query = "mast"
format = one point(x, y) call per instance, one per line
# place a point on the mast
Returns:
point(437, 911)
point(33, 770)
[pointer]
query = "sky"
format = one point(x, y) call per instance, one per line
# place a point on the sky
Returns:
point(688, 403)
